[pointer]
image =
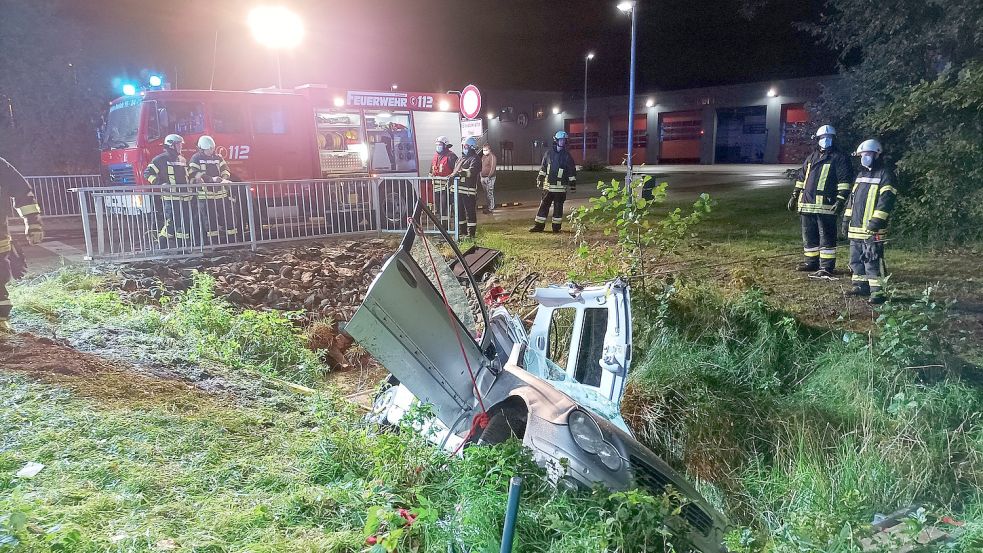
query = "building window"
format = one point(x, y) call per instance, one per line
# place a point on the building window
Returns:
point(539, 111)
point(507, 114)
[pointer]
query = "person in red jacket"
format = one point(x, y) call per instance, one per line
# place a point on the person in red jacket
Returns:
point(441, 167)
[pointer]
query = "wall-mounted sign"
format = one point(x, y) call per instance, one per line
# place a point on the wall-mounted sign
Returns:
point(470, 102)
point(471, 128)
point(523, 119)
point(417, 101)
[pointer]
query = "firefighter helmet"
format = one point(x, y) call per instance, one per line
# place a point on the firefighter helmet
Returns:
point(471, 142)
point(206, 143)
point(443, 140)
point(824, 130)
point(173, 141)
point(560, 135)
point(870, 145)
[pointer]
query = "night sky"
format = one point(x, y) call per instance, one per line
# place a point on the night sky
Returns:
point(439, 45)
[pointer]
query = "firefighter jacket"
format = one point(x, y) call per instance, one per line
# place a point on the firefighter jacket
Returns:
point(169, 168)
point(209, 169)
point(467, 171)
point(557, 171)
point(441, 167)
point(13, 186)
point(871, 203)
point(823, 179)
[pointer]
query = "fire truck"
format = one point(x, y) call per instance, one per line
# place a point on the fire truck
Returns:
point(273, 135)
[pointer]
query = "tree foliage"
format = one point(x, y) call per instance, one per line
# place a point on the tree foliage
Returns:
point(49, 106)
point(911, 73)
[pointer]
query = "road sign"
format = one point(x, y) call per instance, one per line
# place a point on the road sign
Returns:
point(470, 102)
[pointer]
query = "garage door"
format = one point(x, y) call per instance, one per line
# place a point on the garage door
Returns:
point(741, 134)
point(619, 140)
point(680, 136)
point(796, 134)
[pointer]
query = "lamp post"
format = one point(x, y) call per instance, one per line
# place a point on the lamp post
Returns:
point(626, 7)
point(587, 58)
point(277, 28)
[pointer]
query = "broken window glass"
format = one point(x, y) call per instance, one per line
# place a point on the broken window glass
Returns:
point(591, 349)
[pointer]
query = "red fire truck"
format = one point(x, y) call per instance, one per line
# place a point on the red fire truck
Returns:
point(310, 132)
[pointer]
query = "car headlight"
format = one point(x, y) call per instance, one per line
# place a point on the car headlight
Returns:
point(609, 456)
point(585, 431)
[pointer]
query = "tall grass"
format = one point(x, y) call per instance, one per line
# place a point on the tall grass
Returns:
point(801, 432)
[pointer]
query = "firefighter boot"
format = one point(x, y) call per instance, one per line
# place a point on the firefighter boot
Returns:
point(877, 299)
point(538, 227)
point(808, 266)
point(5, 328)
point(860, 289)
point(556, 227)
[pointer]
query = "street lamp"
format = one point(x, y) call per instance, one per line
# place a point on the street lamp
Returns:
point(393, 87)
point(587, 58)
point(626, 7)
point(277, 28)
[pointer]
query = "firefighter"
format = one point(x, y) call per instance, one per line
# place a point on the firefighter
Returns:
point(866, 217)
point(441, 167)
point(214, 204)
point(557, 172)
point(820, 194)
point(466, 173)
point(170, 168)
point(13, 186)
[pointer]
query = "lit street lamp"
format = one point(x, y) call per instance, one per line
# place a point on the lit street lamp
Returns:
point(587, 58)
point(626, 7)
point(277, 28)
point(393, 87)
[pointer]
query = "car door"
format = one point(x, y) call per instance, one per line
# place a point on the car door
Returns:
point(587, 333)
point(404, 323)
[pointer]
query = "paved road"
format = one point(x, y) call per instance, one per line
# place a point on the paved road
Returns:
point(65, 243)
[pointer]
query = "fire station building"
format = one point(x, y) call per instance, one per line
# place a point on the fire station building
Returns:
point(765, 122)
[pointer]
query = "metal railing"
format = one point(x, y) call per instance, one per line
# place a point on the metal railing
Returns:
point(55, 192)
point(149, 222)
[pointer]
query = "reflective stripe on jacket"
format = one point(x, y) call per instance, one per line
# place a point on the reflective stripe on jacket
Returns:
point(823, 178)
point(466, 173)
point(13, 186)
point(206, 168)
point(442, 165)
point(558, 170)
point(168, 168)
point(871, 203)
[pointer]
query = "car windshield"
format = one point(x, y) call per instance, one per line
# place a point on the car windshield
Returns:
point(122, 125)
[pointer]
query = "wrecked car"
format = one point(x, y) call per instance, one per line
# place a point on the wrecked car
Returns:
point(556, 387)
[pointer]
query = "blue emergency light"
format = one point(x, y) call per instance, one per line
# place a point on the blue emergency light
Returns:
point(155, 80)
point(129, 89)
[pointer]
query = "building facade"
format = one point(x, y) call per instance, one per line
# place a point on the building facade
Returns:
point(748, 123)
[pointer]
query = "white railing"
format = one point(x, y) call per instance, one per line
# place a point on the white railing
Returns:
point(148, 222)
point(54, 192)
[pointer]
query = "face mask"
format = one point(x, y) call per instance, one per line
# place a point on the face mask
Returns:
point(867, 160)
point(440, 148)
point(825, 142)
point(486, 151)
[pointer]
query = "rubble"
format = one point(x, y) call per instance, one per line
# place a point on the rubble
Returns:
point(324, 283)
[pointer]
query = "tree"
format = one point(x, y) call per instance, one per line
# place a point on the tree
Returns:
point(47, 91)
point(911, 77)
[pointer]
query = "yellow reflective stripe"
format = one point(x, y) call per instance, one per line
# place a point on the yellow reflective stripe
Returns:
point(842, 186)
point(827, 256)
point(888, 187)
point(822, 183)
point(859, 278)
point(5, 245)
point(559, 173)
point(848, 212)
point(869, 206)
point(540, 219)
point(29, 209)
point(883, 215)
point(800, 185)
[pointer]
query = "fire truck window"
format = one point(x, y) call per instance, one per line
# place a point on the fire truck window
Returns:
point(269, 120)
point(227, 118)
point(391, 147)
point(180, 118)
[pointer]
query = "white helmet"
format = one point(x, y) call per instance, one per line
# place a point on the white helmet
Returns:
point(173, 141)
point(443, 140)
point(825, 129)
point(206, 142)
point(870, 145)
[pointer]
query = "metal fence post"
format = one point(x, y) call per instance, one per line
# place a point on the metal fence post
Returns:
point(511, 514)
point(253, 223)
point(86, 227)
point(376, 199)
point(457, 215)
point(100, 223)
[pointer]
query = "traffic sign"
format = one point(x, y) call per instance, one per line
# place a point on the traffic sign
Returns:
point(470, 102)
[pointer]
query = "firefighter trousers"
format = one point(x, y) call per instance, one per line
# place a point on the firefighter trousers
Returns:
point(5, 275)
point(445, 210)
point(555, 199)
point(867, 264)
point(467, 205)
point(819, 240)
point(219, 220)
point(180, 220)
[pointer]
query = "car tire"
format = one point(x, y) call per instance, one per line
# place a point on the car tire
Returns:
point(396, 205)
